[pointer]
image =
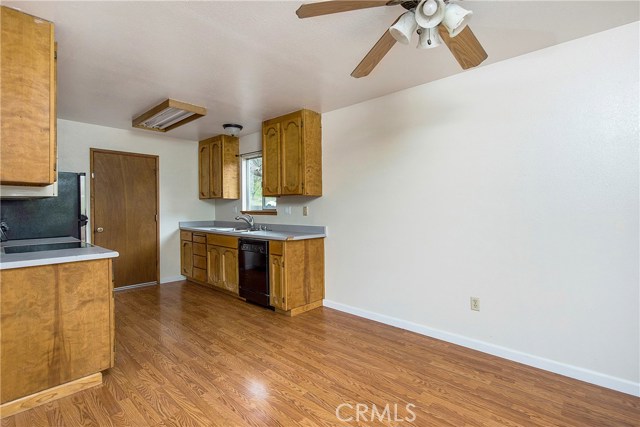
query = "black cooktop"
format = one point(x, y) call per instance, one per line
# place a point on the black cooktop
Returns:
point(44, 247)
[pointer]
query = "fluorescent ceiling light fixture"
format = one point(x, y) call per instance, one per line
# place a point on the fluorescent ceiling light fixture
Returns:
point(168, 115)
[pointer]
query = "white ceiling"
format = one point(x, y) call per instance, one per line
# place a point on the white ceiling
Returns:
point(250, 61)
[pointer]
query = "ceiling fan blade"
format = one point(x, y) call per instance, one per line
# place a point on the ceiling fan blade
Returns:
point(337, 6)
point(375, 55)
point(465, 47)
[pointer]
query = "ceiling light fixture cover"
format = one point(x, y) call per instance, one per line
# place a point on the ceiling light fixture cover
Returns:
point(232, 128)
point(404, 28)
point(430, 13)
point(456, 19)
point(168, 115)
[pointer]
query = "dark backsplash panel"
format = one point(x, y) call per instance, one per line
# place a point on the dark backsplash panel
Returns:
point(46, 217)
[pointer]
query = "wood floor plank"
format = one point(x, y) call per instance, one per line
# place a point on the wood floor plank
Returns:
point(187, 356)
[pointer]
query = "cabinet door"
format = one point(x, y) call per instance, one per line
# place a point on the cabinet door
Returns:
point(204, 163)
point(214, 266)
point(27, 100)
point(277, 282)
point(271, 160)
point(292, 161)
point(230, 269)
point(215, 183)
point(186, 258)
point(55, 325)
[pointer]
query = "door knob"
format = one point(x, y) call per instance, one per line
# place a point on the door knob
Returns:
point(99, 230)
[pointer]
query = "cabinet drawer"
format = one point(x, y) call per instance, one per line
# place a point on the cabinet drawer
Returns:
point(200, 262)
point(200, 274)
point(185, 235)
point(199, 238)
point(200, 249)
point(220, 240)
point(276, 248)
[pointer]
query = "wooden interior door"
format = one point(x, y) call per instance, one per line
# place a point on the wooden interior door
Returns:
point(292, 161)
point(271, 160)
point(124, 208)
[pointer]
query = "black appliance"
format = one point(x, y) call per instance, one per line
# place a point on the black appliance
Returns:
point(60, 216)
point(253, 263)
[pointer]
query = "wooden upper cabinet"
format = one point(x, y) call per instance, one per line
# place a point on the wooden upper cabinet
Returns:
point(292, 155)
point(292, 161)
point(204, 168)
point(271, 160)
point(219, 168)
point(27, 100)
point(215, 183)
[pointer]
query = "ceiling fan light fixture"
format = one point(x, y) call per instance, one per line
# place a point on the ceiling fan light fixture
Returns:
point(426, 16)
point(232, 129)
point(404, 28)
point(429, 38)
point(456, 19)
point(168, 115)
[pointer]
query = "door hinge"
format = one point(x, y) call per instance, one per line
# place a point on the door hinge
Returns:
point(156, 217)
point(93, 175)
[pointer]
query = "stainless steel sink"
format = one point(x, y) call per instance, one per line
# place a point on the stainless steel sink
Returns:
point(221, 229)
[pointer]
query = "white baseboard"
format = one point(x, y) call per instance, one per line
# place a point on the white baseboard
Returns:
point(597, 378)
point(170, 279)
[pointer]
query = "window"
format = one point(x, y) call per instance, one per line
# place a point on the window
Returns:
point(252, 199)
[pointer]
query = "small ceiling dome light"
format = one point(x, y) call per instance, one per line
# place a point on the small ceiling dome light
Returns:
point(429, 38)
point(403, 29)
point(429, 13)
point(456, 19)
point(232, 128)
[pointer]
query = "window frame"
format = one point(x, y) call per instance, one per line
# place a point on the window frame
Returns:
point(243, 186)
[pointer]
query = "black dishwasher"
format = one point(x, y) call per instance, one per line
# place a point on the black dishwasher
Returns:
point(253, 264)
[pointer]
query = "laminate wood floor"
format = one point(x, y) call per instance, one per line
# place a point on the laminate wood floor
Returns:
point(190, 356)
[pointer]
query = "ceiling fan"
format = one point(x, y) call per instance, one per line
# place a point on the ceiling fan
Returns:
point(434, 20)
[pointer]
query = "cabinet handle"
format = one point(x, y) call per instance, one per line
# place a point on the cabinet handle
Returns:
point(99, 230)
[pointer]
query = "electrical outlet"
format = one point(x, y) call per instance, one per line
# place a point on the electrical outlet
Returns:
point(475, 303)
point(305, 210)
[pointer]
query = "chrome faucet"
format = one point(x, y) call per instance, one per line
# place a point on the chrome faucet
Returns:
point(246, 218)
point(4, 227)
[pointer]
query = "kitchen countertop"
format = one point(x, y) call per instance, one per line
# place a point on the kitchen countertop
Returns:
point(273, 232)
point(59, 256)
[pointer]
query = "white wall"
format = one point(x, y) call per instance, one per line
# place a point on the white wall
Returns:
point(178, 177)
point(516, 183)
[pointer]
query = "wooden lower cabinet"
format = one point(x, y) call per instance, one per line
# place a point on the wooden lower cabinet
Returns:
point(296, 275)
point(186, 258)
point(277, 283)
point(296, 268)
point(57, 325)
point(222, 263)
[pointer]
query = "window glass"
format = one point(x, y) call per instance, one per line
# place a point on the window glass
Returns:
point(252, 199)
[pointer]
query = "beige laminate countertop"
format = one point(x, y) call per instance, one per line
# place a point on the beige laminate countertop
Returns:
point(46, 257)
point(273, 232)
